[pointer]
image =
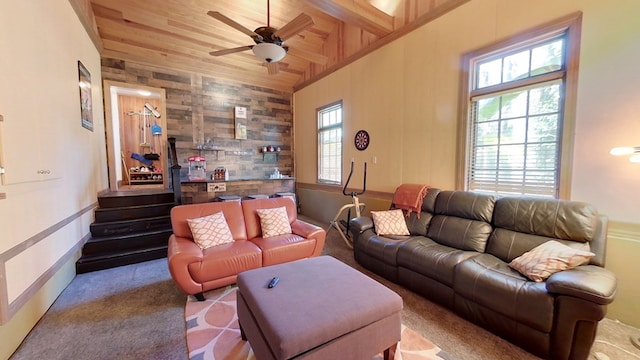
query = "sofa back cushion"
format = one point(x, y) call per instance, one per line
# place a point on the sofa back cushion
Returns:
point(522, 223)
point(232, 213)
point(462, 220)
point(252, 220)
point(419, 226)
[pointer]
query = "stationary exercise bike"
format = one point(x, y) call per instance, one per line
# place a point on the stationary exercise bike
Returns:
point(343, 225)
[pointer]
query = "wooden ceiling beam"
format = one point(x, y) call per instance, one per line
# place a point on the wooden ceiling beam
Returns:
point(85, 14)
point(358, 13)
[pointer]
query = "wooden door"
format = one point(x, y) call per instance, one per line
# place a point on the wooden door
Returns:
point(137, 139)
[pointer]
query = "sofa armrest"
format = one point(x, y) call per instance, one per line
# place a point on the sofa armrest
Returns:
point(180, 253)
point(310, 231)
point(361, 224)
point(588, 282)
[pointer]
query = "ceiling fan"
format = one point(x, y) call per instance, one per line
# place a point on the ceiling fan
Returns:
point(269, 41)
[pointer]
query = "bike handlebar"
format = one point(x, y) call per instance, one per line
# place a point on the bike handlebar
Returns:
point(364, 182)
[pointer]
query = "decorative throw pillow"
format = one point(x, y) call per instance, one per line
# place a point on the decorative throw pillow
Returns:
point(548, 258)
point(210, 230)
point(274, 221)
point(390, 222)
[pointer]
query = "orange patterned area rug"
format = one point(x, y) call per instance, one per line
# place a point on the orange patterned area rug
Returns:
point(213, 332)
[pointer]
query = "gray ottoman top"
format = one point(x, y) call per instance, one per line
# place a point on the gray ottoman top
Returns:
point(315, 301)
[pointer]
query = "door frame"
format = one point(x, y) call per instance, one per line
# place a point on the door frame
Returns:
point(112, 127)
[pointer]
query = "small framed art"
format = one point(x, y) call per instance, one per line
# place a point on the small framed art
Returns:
point(86, 108)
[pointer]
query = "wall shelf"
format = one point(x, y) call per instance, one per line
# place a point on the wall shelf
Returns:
point(270, 154)
point(220, 153)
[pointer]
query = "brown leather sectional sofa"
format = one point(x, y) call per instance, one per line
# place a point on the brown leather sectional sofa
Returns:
point(458, 254)
point(195, 270)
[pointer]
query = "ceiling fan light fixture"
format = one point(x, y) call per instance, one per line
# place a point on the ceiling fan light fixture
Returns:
point(269, 52)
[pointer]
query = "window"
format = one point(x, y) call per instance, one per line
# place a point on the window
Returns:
point(330, 144)
point(519, 122)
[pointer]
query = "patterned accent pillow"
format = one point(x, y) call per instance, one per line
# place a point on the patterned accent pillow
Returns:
point(549, 258)
point(274, 221)
point(390, 222)
point(210, 230)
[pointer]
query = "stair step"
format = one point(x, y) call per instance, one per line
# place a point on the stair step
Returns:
point(117, 199)
point(88, 263)
point(127, 242)
point(129, 227)
point(112, 228)
point(132, 212)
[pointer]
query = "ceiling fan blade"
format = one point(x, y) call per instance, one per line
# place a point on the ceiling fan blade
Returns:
point(308, 55)
point(301, 22)
point(218, 16)
point(273, 68)
point(230, 51)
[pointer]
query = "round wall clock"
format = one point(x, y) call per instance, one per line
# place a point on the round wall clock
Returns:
point(361, 140)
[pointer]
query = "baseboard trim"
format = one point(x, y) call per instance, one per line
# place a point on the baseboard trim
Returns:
point(338, 189)
point(624, 231)
point(7, 310)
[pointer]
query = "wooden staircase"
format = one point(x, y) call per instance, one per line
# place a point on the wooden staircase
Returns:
point(129, 227)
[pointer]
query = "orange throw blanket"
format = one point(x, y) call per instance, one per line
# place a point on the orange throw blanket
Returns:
point(409, 197)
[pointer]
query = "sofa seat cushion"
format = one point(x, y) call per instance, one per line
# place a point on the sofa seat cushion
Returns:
point(383, 248)
point(490, 282)
point(226, 260)
point(425, 256)
point(284, 248)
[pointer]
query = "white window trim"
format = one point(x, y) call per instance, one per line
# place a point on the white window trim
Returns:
point(570, 24)
point(318, 130)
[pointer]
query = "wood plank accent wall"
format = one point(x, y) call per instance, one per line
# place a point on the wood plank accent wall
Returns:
point(201, 107)
point(193, 192)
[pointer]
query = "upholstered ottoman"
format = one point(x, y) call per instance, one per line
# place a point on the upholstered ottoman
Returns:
point(319, 309)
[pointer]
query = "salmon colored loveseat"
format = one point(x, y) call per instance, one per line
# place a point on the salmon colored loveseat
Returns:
point(196, 270)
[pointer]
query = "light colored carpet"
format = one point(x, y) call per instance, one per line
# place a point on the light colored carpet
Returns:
point(130, 312)
point(213, 332)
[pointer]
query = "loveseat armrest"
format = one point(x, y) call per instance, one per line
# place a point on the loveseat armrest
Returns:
point(310, 231)
point(588, 282)
point(180, 253)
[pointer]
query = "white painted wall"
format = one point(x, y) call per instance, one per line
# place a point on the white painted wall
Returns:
point(40, 45)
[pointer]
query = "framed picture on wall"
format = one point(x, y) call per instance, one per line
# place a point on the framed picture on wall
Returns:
point(86, 109)
point(241, 122)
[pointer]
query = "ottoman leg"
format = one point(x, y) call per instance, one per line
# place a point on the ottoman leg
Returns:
point(242, 334)
point(390, 352)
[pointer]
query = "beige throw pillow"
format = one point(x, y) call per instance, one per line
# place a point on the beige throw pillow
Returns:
point(549, 258)
point(390, 222)
point(274, 222)
point(210, 230)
